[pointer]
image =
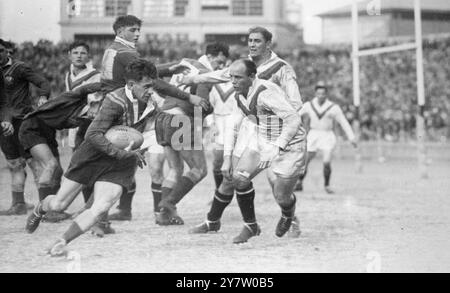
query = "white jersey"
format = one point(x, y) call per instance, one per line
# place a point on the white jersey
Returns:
point(73, 82)
point(222, 99)
point(323, 117)
point(275, 70)
point(87, 76)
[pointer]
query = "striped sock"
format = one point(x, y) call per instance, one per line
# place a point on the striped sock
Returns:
point(157, 195)
point(220, 203)
point(327, 173)
point(18, 197)
point(246, 198)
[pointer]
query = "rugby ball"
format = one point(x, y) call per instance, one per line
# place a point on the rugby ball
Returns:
point(122, 136)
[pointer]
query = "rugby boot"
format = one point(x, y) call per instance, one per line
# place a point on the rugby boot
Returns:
point(58, 249)
point(294, 231)
point(206, 227)
point(247, 232)
point(329, 190)
point(168, 216)
point(101, 229)
point(283, 226)
point(157, 215)
point(55, 217)
point(34, 220)
point(299, 186)
point(121, 216)
point(19, 209)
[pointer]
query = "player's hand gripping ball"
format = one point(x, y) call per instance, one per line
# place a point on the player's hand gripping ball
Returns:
point(122, 136)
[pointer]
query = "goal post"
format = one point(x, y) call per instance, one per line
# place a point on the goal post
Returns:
point(418, 46)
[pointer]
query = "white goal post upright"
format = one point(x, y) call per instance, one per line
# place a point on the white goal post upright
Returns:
point(418, 46)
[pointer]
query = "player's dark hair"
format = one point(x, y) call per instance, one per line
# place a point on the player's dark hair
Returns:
point(268, 36)
point(5, 43)
point(215, 49)
point(251, 68)
point(126, 21)
point(140, 68)
point(77, 44)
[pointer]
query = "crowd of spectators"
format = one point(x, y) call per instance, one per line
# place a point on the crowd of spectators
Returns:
point(388, 82)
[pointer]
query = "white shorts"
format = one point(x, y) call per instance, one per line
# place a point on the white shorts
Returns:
point(247, 138)
point(72, 137)
point(151, 143)
point(291, 163)
point(321, 141)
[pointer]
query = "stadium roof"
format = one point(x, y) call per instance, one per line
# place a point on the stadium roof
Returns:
point(437, 6)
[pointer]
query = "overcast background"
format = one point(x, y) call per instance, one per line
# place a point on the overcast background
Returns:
point(31, 20)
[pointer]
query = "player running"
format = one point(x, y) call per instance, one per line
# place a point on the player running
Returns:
point(116, 57)
point(98, 162)
point(321, 114)
point(190, 151)
point(269, 67)
point(279, 145)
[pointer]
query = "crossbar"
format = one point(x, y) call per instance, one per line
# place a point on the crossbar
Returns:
point(390, 49)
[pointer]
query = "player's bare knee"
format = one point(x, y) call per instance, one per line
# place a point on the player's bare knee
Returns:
point(227, 187)
point(217, 164)
point(104, 205)
point(197, 174)
point(284, 200)
point(241, 181)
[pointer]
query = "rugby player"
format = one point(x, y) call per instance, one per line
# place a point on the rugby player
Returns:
point(280, 146)
point(17, 78)
point(97, 162)
point(116, 57)
point(269, 67)
point(190, 151)
point(321, 114)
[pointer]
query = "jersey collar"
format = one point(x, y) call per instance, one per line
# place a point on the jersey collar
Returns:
point(129, 95)
point(273, 56)
point(125, 42)
point(9, 63)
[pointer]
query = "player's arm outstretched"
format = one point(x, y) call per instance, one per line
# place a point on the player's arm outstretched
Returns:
point(42, 85)
point(215, 77)
point(88, 89)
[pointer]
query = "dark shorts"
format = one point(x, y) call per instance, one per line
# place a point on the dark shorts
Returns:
point(82, 129)
point(11, 146)
point(34, 132)
point(88, 166)
point(179, 137)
